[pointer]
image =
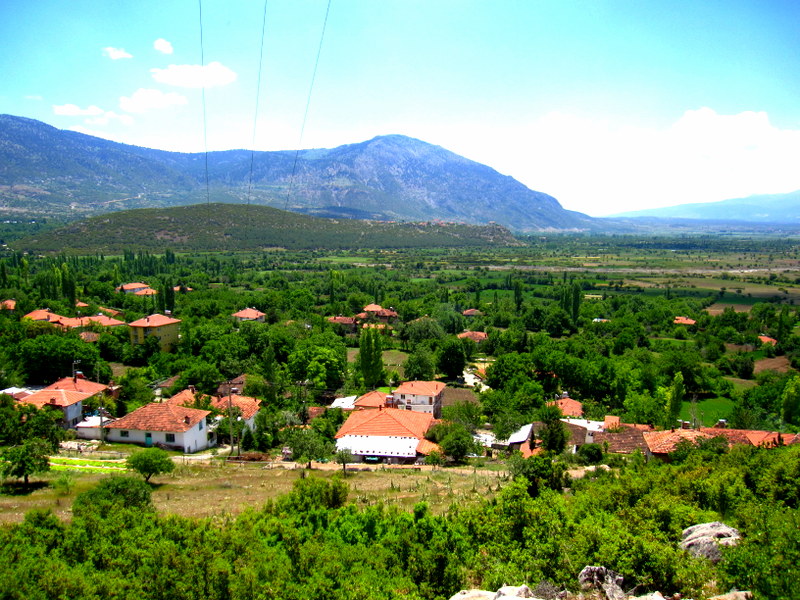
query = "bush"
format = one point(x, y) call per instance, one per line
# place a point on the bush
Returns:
point(590, 454)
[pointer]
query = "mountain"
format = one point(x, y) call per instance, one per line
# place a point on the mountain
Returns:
point(215, 227)
point(47, 171)
point(765, 208)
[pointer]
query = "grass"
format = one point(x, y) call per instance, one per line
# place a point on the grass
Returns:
point(77, 462)
point(221, 489)
point(708, 411)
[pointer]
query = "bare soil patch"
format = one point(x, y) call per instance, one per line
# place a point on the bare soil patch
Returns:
point(779, 364)
point(718, 308)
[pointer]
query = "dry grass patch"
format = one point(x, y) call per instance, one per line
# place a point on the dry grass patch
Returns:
point(779, 364)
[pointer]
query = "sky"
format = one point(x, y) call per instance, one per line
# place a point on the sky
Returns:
point(607, 105)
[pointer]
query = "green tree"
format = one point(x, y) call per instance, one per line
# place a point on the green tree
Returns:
point(790, 401)
point(112, 494)
point(675, 398)
point(554, 433)
point(419, 366)
point(342, 457)
point(452, 359)
point(370, 358)
point(458, 443)
point(149, 462)
point(23, 461)
point(307, 445)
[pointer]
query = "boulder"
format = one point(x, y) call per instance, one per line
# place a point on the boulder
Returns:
point(473, 595)
point(510, 591)
point(599, 577)
point(734, 596)
point(704, 540)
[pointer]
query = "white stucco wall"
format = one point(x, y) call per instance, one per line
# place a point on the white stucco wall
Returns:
point(191, 441)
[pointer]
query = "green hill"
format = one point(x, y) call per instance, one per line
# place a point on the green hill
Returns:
point(215, 227)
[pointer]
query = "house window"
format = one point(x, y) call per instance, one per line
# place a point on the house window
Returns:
point(200, 424)
point(170, 438)
point(123, 433)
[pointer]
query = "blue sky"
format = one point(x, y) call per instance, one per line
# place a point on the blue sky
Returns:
point(608, 105)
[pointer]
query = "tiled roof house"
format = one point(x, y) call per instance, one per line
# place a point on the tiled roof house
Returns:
point(164, 424)
point(389, 433)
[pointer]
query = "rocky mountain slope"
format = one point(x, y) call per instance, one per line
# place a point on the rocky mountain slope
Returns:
point(46, 171)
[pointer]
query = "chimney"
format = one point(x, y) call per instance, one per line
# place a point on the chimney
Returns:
point(191, 388)
point(79, 375)
point(186, 420)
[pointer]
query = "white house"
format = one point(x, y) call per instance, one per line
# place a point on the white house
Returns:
point(163, 424)
point(420, 396)
point(69, 402)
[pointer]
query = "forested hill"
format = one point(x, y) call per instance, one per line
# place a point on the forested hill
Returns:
point(49, 172)
point(211, 227)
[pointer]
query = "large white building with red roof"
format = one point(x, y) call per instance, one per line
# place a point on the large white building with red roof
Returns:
point(163, 424)
point(388, 433)
point(420, 396)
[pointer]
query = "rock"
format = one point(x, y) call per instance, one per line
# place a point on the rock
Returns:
point(734, 596)
point(474, 595)
point(704, 540)
point(600, 578)
point(651, 596)
point(510, 591)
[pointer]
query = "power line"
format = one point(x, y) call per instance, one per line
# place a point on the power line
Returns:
point(203, 92)
point(308, 103)
point(258, 92)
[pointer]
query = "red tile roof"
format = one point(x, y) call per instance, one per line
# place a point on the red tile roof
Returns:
point(161, 417)
point(611, 422)
point(89, 336)
point(41, 314)
point(426, 447)
point(664, 442)
point(765, 339)
point(373, 399)
point(109, 311)
point(372, 308)
point(343, 320)
point(78, 384)
point(624, 441)
point(472, 312)
point(249, 313)
point(247, 405)
point(185, 397)
point(8, 304)
point(145, 292)
point(154, 321)
point(101, 320)
point(132, 286)
point(60, 398)
point(386, 422)
point(79, 304)
point(420, 388)
point(475, 336)
point(568, 407)
point(680, 320)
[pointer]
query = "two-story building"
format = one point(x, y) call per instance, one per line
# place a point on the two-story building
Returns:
point(163, 328)
point(420, 396)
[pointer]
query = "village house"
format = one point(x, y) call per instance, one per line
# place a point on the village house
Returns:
point(163, 424)
point(476, 336)
point(472, 312)
point(246, 406)
point(164, 329)
point(377, 313)
point(568, 406)
point(249, 314)
point(681, 320)
point(373, 399)
point(386, 434)
point(133, 288)
point(420, 396)
point(69, 402)
point(9, 304)
point(347, 324)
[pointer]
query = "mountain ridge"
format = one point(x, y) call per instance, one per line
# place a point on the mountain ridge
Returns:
point(391, 177)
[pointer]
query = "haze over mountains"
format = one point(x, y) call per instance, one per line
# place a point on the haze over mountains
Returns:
point(46, 171)
point(762, 208)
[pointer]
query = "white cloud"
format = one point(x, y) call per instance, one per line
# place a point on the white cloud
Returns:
point(163, 46)
point(108, 117)
point(144, 99)
point(116, 53)
point(73, 110)
point(195, 76)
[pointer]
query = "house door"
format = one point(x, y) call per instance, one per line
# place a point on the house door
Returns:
point(148, 439)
